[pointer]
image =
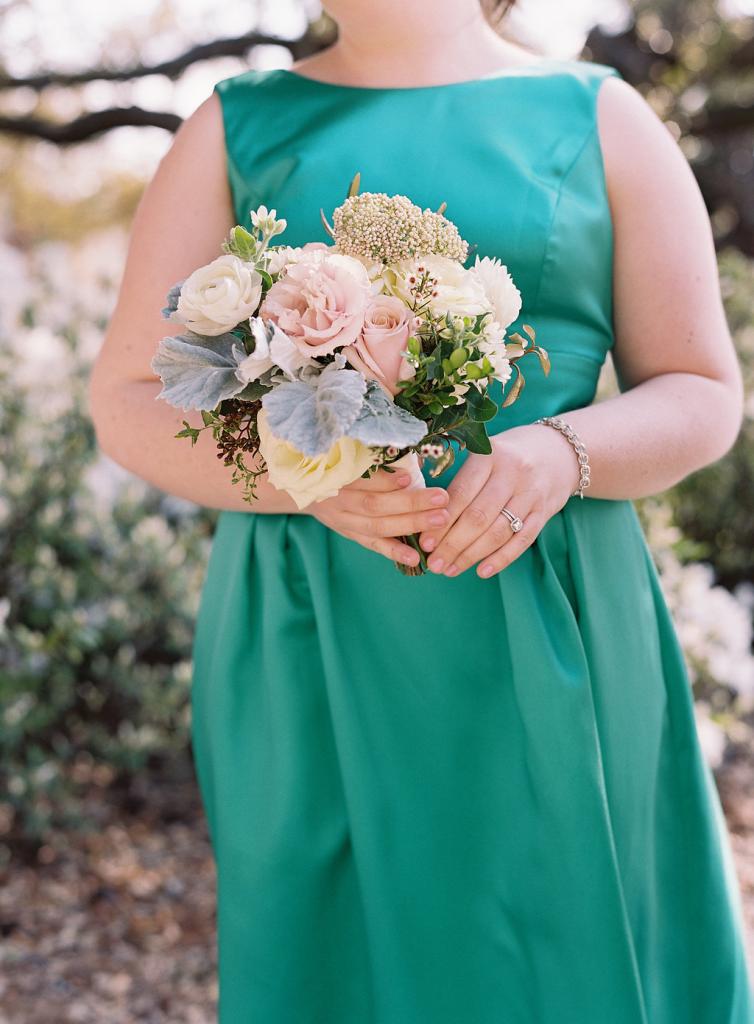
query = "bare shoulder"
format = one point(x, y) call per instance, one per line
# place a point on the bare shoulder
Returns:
point(641, 155)
point(666, 284)
point(196, 156)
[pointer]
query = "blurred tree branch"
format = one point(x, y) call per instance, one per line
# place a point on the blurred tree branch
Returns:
point(318, 35)
point(721, 130)
point(88, 125)
point(237, 46)
point(619, 50)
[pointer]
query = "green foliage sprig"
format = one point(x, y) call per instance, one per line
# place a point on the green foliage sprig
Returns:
point(446, 355)
point(233, 427)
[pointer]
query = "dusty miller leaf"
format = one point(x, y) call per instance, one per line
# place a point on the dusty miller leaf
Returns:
point(172, 300)
point(381, 422)
point(197, 372)
point(313, 414)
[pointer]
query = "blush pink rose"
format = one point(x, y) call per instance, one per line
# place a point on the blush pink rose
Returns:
point(376, 353)
point(320, 301)
point(316, 247)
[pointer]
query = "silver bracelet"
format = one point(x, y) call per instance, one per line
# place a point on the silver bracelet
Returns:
point(578, 446)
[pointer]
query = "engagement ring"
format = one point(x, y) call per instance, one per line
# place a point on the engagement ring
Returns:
point(516, 523)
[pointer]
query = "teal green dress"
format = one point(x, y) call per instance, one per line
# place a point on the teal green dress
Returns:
point(457, 800)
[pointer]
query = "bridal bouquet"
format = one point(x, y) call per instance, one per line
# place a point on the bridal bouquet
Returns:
point(319, 364)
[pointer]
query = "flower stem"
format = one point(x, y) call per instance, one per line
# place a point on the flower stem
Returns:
point(413, 570)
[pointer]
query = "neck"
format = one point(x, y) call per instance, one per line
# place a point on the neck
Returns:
point(409, 42)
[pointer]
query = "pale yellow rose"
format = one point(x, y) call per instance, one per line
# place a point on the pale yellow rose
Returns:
point(311, 478)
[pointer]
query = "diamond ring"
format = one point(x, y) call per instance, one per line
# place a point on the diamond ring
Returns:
point(516, 523)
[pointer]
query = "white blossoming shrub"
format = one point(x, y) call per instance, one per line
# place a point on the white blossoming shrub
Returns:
point(714, 626)
point(99, 582)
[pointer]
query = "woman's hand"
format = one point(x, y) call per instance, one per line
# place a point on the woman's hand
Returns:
point(532, 471)
point(376, 511)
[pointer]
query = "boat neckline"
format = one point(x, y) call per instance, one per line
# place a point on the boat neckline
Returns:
point(504, 73)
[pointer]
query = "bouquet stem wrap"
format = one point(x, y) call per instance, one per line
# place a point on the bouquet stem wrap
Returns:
point(410, 463)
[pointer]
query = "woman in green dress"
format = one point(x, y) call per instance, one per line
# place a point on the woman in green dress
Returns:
point(475, 796)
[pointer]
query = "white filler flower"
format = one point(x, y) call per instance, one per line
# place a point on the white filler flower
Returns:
point(503, 295)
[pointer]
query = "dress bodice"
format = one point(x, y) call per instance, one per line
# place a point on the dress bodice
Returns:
point(516, 157)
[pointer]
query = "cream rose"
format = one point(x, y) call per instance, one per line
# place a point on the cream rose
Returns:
point(320, 301)
point(311, 478)
point(217, 297)
point(458, 290)
point(375, 271)
point(377, 351)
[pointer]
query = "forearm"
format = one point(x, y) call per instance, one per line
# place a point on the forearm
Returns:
point(646, 439)
point(137, 430)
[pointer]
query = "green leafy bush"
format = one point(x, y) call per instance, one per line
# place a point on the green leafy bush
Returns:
point(99, 583)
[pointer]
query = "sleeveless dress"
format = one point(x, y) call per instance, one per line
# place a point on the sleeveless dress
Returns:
point(457, 800)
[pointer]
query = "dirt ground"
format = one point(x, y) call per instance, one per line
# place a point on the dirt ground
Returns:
point(119, 927)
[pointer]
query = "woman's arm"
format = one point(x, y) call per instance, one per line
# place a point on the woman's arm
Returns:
point(681, 405)
point(185, 213)
point(681, 401)
point(183, 216)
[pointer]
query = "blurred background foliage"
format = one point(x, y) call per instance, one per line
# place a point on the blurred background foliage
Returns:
point(99, 573)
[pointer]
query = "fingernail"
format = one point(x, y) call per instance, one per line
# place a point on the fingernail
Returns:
point(439, 498)
point(437, 565)
point(451, 570)
point(486, 570)
point(429, 543)
point(437, 518)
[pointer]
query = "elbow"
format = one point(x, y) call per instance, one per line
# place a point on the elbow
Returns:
point(728, 414)
point(100, 395)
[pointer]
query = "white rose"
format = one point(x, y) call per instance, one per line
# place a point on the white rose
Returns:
point(459, 291)
point(217, 297)
point(375, 271)
point(501, 292)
